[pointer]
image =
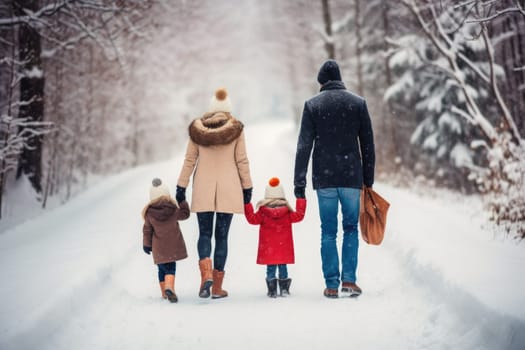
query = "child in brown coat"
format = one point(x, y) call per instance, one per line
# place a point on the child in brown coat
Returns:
point(162, 235)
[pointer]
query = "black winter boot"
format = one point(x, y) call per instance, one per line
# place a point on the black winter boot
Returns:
point(272, 288)
point(284, 286)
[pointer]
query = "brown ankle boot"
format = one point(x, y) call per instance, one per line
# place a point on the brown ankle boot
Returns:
point(216, 290)
point(206, 277)
point(169, 288)
point(351, 289)
point(161, 284)
point(331, 293)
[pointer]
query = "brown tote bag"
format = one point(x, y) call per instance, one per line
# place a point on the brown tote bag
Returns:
point(372, 216)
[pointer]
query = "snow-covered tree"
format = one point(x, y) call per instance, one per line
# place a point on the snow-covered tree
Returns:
point(425, 80)
point(70, 45)
point(456, 86)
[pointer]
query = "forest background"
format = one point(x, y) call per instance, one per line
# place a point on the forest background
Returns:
point(90, 88)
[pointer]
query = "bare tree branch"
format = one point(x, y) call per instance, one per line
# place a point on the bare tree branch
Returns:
point(46, 11)
point(517, 9)
point(496, 15)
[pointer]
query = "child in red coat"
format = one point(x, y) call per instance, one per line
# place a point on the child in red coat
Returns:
point(275, 217)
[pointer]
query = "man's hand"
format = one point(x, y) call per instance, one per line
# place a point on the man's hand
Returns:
point(299, 192)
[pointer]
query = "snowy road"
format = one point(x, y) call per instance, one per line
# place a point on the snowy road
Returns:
point(76, 278)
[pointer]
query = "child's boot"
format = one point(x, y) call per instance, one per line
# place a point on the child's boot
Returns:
point(272, 287)
point(206, 277)
point(284, 286)
point(216, 290)
point(169, 288)
point(162, 290)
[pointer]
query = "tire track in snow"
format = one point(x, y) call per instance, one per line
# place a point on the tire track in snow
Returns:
point(489, 328)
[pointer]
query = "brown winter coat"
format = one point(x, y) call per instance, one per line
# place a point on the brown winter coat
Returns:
point(216, 156)
point(161, 229)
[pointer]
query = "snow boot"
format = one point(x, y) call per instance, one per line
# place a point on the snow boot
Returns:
point(284, 287)
point(162, 290)
point(169, 288)
point(272, 287)
point(351, 289)
point(206, 277)
point(216, 290)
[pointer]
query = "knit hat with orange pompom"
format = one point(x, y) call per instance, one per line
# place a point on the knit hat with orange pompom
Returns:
point(274, 190)
point(220, 102)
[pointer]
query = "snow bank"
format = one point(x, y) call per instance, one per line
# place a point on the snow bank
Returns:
point(450, 234)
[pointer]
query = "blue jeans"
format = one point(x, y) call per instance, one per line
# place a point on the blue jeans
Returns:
point(166, 269)
point(329, 199)
point(272, 269)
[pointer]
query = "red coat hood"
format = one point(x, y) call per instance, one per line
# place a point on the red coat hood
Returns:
point(276, 212)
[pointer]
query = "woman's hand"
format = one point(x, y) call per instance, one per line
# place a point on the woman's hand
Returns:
point(180, 195)
point(247, 195)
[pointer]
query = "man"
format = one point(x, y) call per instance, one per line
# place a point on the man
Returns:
point(336, 124)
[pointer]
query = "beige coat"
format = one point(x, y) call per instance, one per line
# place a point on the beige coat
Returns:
point(216, 156)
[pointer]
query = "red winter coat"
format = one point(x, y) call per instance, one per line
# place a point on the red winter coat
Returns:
point(275, 233)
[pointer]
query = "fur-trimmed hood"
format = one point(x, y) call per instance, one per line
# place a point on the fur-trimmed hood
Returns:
point(161, 208)
point(213, 129)
point(273, 203)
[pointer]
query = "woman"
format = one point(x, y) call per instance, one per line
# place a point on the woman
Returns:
point(216, 156)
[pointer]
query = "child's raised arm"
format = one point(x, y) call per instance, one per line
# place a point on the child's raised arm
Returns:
point(253, 218)
point(300, 209)
point(183, 212)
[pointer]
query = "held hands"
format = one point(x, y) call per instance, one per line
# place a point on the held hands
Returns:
point(247, 195)
point(147, 250)
point(180, 195)
point(299, 192)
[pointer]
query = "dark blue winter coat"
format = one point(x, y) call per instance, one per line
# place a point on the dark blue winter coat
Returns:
point(337, 125)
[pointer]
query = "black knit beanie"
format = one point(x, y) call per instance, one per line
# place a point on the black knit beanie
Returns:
point(329, 71)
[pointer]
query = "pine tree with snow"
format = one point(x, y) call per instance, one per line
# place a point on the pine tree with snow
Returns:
point(423, 79)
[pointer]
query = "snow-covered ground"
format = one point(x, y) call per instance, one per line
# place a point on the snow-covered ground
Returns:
point(76, 277)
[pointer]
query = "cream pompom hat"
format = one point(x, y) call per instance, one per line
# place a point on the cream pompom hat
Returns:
point(274, 190)
point(220, 102)
point(158, 189)
point(274, 195)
